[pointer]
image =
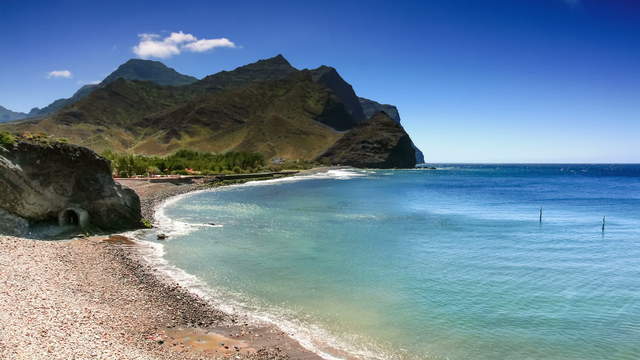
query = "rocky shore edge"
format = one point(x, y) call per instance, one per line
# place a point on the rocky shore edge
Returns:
point(98, 298)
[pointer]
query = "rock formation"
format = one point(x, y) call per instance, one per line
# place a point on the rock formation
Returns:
point(62, 183)
point(371, 108)
point(379, 142)
point(330, 78)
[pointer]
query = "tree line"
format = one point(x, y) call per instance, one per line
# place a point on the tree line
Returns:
point(184, 162)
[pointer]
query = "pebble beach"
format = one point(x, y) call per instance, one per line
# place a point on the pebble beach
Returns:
point(96, 298)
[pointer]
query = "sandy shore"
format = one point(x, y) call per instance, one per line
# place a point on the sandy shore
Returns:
point(96, 298)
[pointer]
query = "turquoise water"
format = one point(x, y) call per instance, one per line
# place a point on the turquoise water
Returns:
point(444, 264)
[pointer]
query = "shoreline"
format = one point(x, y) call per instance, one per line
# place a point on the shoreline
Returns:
point(97, 297)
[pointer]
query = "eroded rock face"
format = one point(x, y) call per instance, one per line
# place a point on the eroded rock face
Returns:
point(39, 181)
point(379, 142)
point(371, 108)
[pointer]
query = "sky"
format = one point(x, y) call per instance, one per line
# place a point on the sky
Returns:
point(474, 81)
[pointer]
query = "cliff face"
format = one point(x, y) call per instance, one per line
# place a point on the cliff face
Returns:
point(379, 142)
point(43, 182)
point(371, 108)
point(341, 89)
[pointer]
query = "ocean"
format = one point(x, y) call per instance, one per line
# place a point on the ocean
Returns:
point(452, 263)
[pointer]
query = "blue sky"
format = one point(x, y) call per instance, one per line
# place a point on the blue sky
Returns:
point(475, 80)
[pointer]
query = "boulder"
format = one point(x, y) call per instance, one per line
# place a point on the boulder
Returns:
point(379, 142)
point(52, 181)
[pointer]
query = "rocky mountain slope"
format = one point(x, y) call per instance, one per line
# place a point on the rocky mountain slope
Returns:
point(371, 108)
point(379, 142)
point(60, 103)
point(267, 106)
point(149, 70)
point(134, 69)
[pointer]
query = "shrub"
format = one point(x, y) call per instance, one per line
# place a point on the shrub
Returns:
point(7, 139)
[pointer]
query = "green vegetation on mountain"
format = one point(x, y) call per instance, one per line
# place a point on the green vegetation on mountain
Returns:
point(275, 68)
point(184, 162)
point(6, 139)
point(61, 103)
point(134, 69)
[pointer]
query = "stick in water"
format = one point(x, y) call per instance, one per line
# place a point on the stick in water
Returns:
point(540, 215)
point(603, 222)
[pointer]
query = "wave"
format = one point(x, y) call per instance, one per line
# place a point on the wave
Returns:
point(173, 227)
point(310, 336)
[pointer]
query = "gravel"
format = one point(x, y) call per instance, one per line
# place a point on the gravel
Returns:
point(90, 299)
point(95, 299)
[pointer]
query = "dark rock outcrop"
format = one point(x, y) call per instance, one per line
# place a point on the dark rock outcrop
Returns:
point(379, 142)
point(61, 182)
point(330, 78)
point(371, 107)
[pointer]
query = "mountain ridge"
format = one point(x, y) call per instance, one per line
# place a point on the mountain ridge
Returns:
point(10, 115)
point(132, 69)
point(267, 106)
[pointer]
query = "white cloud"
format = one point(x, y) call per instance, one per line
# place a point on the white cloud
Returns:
point(208, 44)
point(82, 82)
point(151, 45)
point(180, 37)
point(59, 74)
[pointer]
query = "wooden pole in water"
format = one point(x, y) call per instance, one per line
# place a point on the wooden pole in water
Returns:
point(603, 222)
point(540, 215)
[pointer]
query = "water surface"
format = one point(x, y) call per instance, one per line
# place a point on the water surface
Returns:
point(444, 264)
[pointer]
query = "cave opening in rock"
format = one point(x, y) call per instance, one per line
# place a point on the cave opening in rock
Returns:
point(70, 217)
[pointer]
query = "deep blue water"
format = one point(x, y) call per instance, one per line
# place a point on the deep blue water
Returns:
point(444, 264)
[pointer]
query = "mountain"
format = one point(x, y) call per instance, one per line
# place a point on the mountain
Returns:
point(60, 103)
point(379, 142)
point(371, 108)
point(149, 70)
point(8, 115)
point(330, 78)
point(267, 106)
point(279, 118)
point(275, 68)
point(133, 69)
